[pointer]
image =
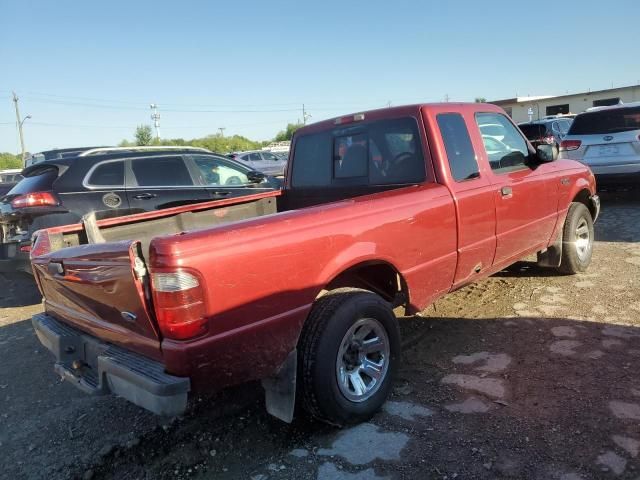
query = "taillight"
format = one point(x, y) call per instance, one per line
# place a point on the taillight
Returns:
point(36, 199)
point(41, 244)
point(568, 145)
point(179, 304)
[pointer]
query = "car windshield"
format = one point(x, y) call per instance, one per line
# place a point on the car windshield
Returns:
point(533, 131)
point(606, 121)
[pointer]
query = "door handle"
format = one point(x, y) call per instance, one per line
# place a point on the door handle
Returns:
point(506, 191)
point(219, 194)
point(145, 196)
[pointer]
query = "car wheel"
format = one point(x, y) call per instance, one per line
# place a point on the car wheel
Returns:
point(577, 240)
point(348, 352)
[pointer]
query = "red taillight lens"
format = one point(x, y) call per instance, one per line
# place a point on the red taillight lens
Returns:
point(41, 244)
point(568, 145)
point(179, 304)
point(36, 199)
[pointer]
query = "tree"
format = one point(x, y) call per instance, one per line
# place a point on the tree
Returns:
point(287, 134)
point(9, 160)
point(144, 135)
point(481, 100)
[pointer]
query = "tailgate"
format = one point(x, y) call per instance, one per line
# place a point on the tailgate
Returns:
point(101, 289)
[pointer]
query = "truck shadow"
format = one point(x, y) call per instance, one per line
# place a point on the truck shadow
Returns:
point(18, 290)
point(620, 217)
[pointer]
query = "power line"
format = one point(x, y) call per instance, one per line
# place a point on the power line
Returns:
point(218, 108)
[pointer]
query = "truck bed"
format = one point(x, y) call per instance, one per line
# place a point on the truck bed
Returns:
point(146, 226)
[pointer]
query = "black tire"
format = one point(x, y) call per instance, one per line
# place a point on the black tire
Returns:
point(573, 261)
point(331, 318)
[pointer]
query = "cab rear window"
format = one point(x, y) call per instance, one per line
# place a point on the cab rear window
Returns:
point(385, 152)
point(606, 121)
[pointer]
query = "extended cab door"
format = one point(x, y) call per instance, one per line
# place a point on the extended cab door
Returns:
point(155, 183)
point(470, 187)
point(525, 193)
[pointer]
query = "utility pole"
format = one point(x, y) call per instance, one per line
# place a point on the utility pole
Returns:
point(155, 116)
point(19, 122)
point(305, 116)
point(446, 97)
point(222, 129)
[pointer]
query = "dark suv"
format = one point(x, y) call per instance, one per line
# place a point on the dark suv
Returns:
point(112, 184)
point(550, 131)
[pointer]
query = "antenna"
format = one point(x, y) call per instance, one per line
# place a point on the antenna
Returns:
point(155, 116)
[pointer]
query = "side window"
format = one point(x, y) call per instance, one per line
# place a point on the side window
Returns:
point(350, 156)
point(218, 172)
point(505, 154)
point(254, 157)
point(161, 172)
point(108, 174)
point(269, 156)
point(457, 143)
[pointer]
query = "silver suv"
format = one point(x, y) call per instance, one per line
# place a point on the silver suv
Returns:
point(607, 139)
point(262, 161)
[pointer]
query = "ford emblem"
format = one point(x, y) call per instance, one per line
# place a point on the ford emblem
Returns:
point(607, 138)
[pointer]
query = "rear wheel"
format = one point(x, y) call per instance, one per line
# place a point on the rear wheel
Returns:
point(577, 240)
point(348, 352)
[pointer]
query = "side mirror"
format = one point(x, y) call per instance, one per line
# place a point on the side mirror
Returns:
point(256, 177)
point(546, 153)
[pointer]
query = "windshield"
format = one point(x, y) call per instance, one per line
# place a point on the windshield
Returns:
point(606, 121)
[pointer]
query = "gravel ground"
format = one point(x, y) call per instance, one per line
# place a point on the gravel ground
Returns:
point(526, 375)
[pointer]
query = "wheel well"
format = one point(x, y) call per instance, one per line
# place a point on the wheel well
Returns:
point(379, 277)
point(583, 197)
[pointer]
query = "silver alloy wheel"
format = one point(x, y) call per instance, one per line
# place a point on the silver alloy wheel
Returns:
point(363, 360)
point(583, 239)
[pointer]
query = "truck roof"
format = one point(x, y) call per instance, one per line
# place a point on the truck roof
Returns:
point(392, 112)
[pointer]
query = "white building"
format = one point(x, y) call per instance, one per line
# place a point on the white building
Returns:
point(523, 109)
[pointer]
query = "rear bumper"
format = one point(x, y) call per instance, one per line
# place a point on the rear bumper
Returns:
point(98, 368)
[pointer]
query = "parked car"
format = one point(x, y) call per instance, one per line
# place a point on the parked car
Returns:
point(8, 179)
point(550, 130)
point(282, 155)
point(607, 139)
point(297, 287)
point(262, 161)
point(111, 183)
point(56, 154)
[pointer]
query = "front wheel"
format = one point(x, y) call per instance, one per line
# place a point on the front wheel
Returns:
point(348, 352)
point(577, 240)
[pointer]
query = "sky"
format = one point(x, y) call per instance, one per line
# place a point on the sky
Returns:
point(87, 71)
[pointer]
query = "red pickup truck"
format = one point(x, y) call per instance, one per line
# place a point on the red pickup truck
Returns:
point(381, 209)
